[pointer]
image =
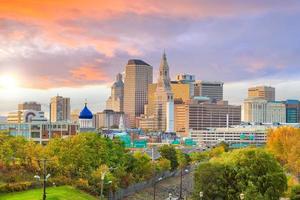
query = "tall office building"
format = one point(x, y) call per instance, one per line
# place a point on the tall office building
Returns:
point(60, 109)
point(262, 92)
point(116, 100)
point(164, 102)
point(29, 106)
point(138, 75)
point(213, 90)
point(292, 111)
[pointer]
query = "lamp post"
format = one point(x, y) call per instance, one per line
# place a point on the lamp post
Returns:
point(201, 195)
point(154, 186)
point(242, 196)
point(102, 181)
point(181, 176)
point(45, 178)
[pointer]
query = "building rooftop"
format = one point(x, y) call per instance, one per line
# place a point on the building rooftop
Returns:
point(137, 62)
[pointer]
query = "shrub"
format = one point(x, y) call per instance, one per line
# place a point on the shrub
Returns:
point(14, 187)
point(295, 192)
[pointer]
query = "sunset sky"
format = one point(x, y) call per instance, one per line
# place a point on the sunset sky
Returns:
point(75, 47)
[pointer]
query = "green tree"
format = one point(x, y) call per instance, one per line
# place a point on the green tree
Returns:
point(250, 171)
point(169, 152)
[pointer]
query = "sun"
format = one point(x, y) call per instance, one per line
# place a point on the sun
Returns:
point(8, 82)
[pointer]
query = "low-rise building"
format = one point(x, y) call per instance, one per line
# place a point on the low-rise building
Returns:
point(40, 132)
point(242, 134)
point(25, 116)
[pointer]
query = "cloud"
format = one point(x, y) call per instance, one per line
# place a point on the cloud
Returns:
point(76, 43)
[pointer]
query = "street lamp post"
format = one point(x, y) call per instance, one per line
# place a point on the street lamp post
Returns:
point(102, 181)
point(154, 186)
point(45, 178)
point(170, 196)
point(201, 195)
point(181, 176)
point(242, 196)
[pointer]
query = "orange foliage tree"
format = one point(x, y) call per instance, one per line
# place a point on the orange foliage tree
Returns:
point(284, 143)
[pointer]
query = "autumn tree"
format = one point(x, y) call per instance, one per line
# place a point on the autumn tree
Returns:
point(284, 143)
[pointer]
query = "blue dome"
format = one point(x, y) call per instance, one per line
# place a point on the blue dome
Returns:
point(86, 113)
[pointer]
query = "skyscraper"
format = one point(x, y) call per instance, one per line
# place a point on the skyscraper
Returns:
point(213, 90)
point(60, 109)
point(116, 100)
point(164, 102)
point(138, 75)
point(262, 92)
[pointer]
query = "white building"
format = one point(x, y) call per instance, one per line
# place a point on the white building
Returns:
point(86, 120)
point(242, 134)
point(261, 111)
point(276, 112)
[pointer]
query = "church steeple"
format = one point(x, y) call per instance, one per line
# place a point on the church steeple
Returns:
point(164, 77)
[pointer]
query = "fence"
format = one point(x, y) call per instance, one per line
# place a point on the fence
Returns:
point(122, 193)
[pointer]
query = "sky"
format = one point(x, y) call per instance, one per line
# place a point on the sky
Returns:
point(75, 48)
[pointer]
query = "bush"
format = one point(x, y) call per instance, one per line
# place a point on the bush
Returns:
point(14, 187)
point(295, 192)
point(61, 180)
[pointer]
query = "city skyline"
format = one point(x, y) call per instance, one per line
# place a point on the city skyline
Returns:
point(76, 50)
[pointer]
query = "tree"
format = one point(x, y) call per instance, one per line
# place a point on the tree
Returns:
point(169, 152)
point(246, 170)
point(284, 143)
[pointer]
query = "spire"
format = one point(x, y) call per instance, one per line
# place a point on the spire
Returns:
point(164, 78)
point(85, 102)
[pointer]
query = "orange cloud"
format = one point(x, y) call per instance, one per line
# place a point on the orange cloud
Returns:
point(88, 73)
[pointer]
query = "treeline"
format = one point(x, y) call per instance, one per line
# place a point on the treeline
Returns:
point(80, 161)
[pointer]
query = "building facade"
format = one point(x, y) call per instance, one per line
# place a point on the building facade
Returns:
point(26, 116)
point(40, 132)
point(292, 111)
point(263, 92)
point(116, 100)
point(232, 135)
point(257, 110)
point(29, 106)
point(276, 112)
point(60, 109)
point(203, 113)
point(138, 75)
point(110, 119)
point(211, 89)
point(181, 91)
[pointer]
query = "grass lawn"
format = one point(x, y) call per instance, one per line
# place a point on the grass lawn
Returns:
point(53, 193)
